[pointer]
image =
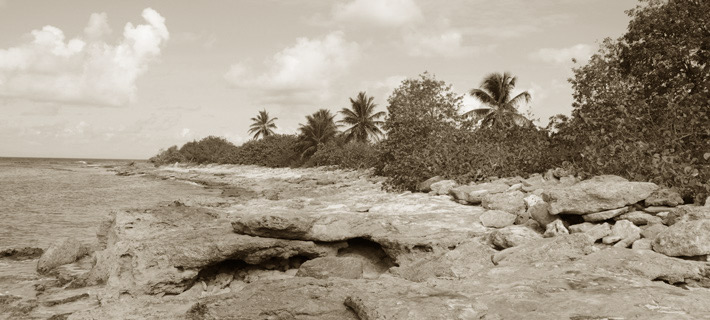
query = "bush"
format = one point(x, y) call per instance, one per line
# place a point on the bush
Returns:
point(171, 155)
point(351, 155)
point(274, 151)
point(208, 150)
point(641, 105)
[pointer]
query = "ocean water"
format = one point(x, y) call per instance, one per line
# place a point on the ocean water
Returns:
point(45, 200)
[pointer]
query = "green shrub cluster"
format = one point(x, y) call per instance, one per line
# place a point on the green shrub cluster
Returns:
point(274, 151)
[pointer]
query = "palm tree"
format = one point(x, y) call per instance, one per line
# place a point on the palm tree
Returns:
point(500, 110)
point(362, 122)
point(319, 129)
point(262, 125)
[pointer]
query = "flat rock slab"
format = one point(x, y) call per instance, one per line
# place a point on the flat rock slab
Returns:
point(685, 238)
point(597, 194)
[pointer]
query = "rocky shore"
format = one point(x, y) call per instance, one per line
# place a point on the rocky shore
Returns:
point(330, 244)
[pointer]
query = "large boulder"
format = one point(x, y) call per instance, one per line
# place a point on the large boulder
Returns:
point(512, 236)
point(63, 252)
point(538, 210)
point(685, 238)
point(597, 194)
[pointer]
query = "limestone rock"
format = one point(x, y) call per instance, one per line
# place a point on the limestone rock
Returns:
point(479, 191)
point(511, 202)
point(61, 253)
point(560, 248)
point(425, 186)
point(512, 236)
point(688, 213)
point(443, 187)
point(497, 219)
point(326, 267)
point(627, 232)
point(652, 231)
point(657, 210)
point(556, 228)
point(463, 262)
point(580, 227)
point(664, 197)
point(604, 215)
point(598, 231)
point(642, 244)
point(461, 192)
point(538, 210)
point(685, 238)
point(597, 194)
point(640, 218)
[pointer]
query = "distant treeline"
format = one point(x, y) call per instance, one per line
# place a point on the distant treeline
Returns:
point(641, 110)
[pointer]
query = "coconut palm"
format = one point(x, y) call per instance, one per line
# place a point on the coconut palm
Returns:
point(262, 125)
point(500, 109)
point(319, 129)
point(363, 123)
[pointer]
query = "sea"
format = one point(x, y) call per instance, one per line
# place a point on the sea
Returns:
point(45, 200)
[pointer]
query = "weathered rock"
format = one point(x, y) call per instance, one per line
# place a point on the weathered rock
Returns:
point(598, 232)
point(443, 187)
point(580, 227)
point(61, 253)
point(425, 186)
point(479, 191)
point(463, 262)
point(640, 218)
point(556, 228)
point(327, 267)
point(461, 192)
point(560, 248)
point(23, 253)
point(611, 239)
point(657, 210)
point(512, 236)
point(497, 219)
point(642, 244)
point(511, 202)
point(664, 197)
point(627, 232)
point(687, 213)
point(685, 238)
point(539, 210)
point(604, 215)
point(652, 231)
point(597, 194)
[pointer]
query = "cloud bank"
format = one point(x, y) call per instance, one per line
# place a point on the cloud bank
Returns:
point(383, 13)
point(84, 69)
point(580, 52)
point(302, 71)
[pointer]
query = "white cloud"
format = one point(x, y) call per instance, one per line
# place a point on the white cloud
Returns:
point(387, 13)
point(303, 71)
point(580, 52)
point(449, 43)
point(85, 69)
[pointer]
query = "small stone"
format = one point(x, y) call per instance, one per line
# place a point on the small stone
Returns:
point(497, 219)
point(640, 218)
point(538, 210)
point(656, 209)
point(642, 244)
point(664, 197)
point(425, 186)
point(556, 228)
point(604, 215)
point(328, 267)
point(512, 236)
point(61, 253)
point(581, 227)
point(599, 231)
point(443, 187)
point(516, 187)
point(461, 192)
point(611, 239)
point(627, 231)
point(511, 202)
point(651, 232)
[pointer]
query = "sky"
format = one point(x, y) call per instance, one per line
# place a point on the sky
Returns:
point(123, 79)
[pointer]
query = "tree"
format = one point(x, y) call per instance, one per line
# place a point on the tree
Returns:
point(641, 105)
point(318, 130)
point(501, 109)
point(262, 125)
point(363, 123)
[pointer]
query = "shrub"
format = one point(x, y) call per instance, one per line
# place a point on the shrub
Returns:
point(171, 155)
point(272, 151)
point(352, 155)
point(208, 150)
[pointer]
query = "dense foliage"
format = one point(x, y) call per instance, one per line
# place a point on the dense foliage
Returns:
point(276, 151)
point(318, 130)
point(208, 150)
point(500, 108)
point(351, 155)
point(642, 103)
point(362, 119)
